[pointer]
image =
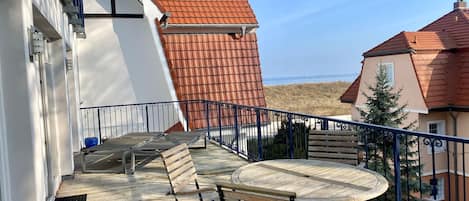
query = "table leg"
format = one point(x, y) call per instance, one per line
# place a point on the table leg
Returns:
point(83, 162)
point(132, 162)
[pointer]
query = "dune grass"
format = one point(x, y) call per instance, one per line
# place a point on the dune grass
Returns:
point(316, 98)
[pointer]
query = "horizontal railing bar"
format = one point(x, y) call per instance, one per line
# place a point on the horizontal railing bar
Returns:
point(137, 104)
point(389, 129)
point(303, 115)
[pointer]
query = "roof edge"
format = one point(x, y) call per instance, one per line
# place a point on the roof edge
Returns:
point(387, 53)
point(213, 25)
point(344, 100)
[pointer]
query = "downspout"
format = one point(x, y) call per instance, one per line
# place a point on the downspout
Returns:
point(454, 116)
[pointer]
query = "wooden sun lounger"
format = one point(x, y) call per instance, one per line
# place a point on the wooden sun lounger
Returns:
point(132, 144)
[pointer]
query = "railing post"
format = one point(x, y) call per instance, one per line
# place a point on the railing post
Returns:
point(397, 166)
point(219, 123)
point(99, 127)
point(324, 124)
point(236, 128)
point(187, 116)
point(207, 115)
point(148, 121)
point(290, 136)
point(259, 135)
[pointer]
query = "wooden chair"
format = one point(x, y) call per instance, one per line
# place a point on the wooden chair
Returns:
point(230, 192)
point(181, 172)
point(334, 145)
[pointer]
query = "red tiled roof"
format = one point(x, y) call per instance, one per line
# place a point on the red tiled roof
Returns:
point(456, 24)
point(462, 85)
point(430, 40)
point(406, 41)
point(208, 11)
point(217, 67)
point(432, 73)
point(350, 95)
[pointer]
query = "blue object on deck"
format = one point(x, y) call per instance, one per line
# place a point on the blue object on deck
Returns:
point(91, 142)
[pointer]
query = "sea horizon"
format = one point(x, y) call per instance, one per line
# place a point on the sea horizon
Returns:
point(287, 80)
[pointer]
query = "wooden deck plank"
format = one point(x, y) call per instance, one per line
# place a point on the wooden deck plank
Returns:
point(151, 182)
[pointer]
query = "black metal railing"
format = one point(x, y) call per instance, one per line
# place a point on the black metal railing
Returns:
point(423, 165)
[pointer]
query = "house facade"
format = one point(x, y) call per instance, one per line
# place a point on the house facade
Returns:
point(431, 66)
point(164, 50)
point(38, 96)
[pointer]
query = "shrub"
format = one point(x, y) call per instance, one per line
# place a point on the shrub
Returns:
point(277, 147)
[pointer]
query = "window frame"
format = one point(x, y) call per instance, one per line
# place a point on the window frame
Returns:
point(441, 123)
point(392, 79)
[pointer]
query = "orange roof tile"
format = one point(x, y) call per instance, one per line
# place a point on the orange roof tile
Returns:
point(406, 42)
point(432, 73)
point(429, 40)
point(456, 24)
point(208, 11)
point(462, 84)
point(350, 95)
point(217, 67)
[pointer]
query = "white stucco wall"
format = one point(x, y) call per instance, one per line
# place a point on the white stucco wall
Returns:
point(119, 61)
point(122, 61)
point(23, 161)
point(119, 64)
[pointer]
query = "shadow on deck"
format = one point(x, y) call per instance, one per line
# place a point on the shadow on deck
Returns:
point(150, 182)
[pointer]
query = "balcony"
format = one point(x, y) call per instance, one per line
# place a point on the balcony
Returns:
point(241, 134)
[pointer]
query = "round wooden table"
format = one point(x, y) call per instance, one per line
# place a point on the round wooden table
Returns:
point(313, 180)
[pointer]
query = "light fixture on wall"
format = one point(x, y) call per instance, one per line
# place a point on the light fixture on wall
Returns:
point(69, 64)
point(37, 41)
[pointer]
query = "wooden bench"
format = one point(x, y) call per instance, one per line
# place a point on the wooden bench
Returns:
point(181, 172)
point(333, 145)
point(227, 191)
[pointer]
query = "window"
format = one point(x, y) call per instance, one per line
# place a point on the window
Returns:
point(389, 70)
point(437, 127)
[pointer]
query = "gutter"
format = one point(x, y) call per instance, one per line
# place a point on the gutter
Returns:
point(450, 108)
point(454, 116)
point(248, 26)
point(389, 52)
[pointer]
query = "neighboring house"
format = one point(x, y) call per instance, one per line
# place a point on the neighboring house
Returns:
point(431, 66)
point(170, 50)
point(38, 98)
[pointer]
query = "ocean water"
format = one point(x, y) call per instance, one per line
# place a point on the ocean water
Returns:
point(270, 81)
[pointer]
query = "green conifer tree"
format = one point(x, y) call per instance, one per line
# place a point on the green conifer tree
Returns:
point(382, 108)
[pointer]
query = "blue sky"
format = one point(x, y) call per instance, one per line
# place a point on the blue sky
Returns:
point(311, 37)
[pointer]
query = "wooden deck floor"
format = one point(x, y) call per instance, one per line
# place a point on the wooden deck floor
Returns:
point(150, 182)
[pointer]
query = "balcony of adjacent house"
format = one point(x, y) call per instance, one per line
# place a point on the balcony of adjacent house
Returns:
point(230, 136)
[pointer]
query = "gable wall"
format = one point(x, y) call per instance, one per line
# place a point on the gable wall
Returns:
point(405, 79)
